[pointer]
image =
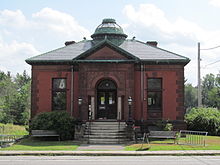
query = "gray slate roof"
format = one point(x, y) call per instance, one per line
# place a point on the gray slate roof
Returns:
point(146, 52)
point(141, 50)
point(65, 53)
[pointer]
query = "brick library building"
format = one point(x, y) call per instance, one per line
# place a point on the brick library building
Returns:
point(110, 78)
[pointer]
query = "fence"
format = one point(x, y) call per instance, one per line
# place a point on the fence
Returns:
point(2, 130)
point(7, 138)
point(192, 137)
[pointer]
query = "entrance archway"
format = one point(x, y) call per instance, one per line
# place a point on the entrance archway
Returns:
point(106, 100)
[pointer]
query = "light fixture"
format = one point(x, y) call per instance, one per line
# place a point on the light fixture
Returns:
point(129, 100)
point(80, 101)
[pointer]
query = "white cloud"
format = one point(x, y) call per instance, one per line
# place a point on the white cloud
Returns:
point(180, 36)
point(12, 18)
point(13, 56)
point(215, 3)
point(58, 22)
point(22, 37)
point(149, 15)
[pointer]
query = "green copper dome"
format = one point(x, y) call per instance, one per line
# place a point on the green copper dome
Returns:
point(110, 30)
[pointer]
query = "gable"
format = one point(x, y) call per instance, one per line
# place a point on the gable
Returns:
point(106, 53)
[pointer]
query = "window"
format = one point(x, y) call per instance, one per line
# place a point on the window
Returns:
point(58, 94)
point(154, 93)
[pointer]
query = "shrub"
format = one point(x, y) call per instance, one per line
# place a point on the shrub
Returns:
point(165, 125)
point(59, 121)
point(168, 127)
point(203, 119)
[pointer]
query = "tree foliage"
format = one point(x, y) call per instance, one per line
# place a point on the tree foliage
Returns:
point(14, 98)
point(203, 119)
point(210, 93)
point(190, 96)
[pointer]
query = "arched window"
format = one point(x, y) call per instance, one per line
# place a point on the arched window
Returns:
point(106, 85)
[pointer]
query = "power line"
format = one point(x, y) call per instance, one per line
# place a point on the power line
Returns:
point(211, 48)
point(212, 63)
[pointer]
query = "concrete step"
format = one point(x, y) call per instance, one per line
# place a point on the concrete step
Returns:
point(106, 123)
point(108, 129)
point(105, 127)
point(106, 132)
point(105, 137)
point(107, 141)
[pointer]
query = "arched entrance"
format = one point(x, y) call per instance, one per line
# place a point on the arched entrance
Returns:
point(106, 100)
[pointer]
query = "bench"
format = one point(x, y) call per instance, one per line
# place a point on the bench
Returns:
point(45, 133)
point(161, 135)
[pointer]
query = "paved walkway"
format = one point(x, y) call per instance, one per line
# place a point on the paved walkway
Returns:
point(90, 147)
point(110, 153)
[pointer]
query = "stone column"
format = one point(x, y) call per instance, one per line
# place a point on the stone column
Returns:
point(119, 109)
point(93, 107)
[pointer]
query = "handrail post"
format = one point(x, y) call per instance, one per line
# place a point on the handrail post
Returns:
point(119, 125)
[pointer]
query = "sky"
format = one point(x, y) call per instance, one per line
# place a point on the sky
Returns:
point(29, 28)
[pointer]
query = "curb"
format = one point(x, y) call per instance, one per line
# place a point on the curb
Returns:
point(111, 153)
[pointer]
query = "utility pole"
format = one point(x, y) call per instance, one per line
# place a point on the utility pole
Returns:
point(199, 79)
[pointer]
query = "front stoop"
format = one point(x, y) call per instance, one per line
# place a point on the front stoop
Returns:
point(106, 132)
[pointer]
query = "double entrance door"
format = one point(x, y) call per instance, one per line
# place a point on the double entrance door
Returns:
point(106, 104)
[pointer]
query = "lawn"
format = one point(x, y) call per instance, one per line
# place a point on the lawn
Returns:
point(34, 144)
point(10, 129)
point(212, 143)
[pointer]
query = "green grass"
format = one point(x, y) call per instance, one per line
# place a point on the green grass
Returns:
point(31, 144)
point(10, 129)
point(212, 143)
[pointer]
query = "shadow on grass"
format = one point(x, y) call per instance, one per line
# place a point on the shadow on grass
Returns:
point(38, 142)
point(33, 144)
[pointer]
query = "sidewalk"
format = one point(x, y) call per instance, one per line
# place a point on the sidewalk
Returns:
point(110, 153)
point(100, 147)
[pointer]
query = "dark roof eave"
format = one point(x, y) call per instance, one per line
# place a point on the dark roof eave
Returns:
point(41, 62)
point(170, 61)
point(107, 33)
point(105, 61)
point(61, 62)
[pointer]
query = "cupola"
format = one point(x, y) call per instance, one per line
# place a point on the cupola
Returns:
point(110, 30)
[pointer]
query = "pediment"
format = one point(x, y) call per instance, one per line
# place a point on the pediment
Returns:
point(106, 50)
point(106, 53)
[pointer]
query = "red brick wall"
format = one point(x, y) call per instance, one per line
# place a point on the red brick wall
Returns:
point(126, 76)
point(172, 93)
point(42, 86)
point(91, 74)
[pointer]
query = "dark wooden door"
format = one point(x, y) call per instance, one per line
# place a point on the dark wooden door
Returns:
point(106, 104)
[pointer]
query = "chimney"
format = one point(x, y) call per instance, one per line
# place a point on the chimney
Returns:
point(152, 43)
point(69, 42)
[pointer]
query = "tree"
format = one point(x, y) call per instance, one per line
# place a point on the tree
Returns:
point(208, 84)
point(211, 91)
point(14, 98)
point(190, 96)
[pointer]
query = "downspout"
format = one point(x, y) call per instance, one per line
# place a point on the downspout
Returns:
point(142, 92)
point(71, 92)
